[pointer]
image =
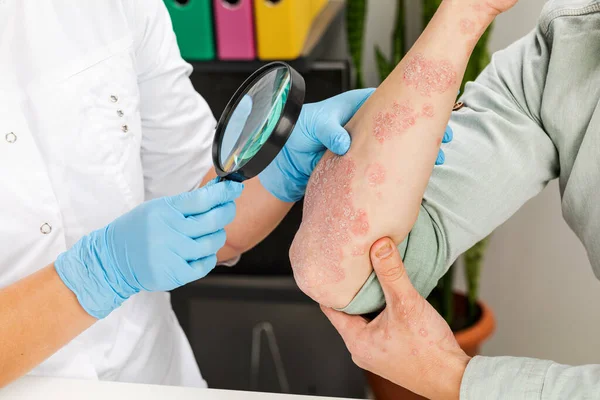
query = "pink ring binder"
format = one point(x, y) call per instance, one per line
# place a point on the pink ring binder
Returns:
point(234, 26)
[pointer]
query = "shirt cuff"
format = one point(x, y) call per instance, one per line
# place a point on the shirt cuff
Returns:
point(370, 298)
point(424, 257)
point(504, 378)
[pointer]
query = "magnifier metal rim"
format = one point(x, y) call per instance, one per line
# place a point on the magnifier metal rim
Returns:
point(282, 131)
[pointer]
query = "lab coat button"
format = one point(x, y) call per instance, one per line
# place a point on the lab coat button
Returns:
point(114, 98)
point(11, 137)
point(46, 228)
point(125, 128)
point(458, 106)
point(120, 113)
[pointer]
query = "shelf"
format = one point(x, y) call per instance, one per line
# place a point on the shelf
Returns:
point(316, 44)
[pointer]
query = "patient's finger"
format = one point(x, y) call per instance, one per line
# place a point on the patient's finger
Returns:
point(390, 271)
point(349, 326)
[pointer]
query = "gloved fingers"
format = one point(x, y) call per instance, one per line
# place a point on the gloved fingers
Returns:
point(333, 136)
point(441, 158)
point(190, 249)
point(337, 111)
point(316, 158)
point(206, 198)
point(202, 267)
point(196, 226)
point(193, 270)
point(448, 135)
point(351, 101)
point(212, 182)
point(210, 244)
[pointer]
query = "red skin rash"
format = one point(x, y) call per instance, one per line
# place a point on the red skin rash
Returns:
point(467, 27)
point(429, 76)
point(394, 122)
point(359, 223)
point(360, 250)
point(375, 174)
point(427, 111)
point(331, 222)
point(401, 118)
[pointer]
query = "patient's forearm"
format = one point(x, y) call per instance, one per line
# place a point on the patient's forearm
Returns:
point(376, 189)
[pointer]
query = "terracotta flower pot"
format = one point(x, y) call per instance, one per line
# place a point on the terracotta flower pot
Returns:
point(469, 339)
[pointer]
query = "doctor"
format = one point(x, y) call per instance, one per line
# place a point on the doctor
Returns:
point(100, 133)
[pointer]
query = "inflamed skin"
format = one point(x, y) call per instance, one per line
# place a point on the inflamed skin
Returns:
point(375, 190)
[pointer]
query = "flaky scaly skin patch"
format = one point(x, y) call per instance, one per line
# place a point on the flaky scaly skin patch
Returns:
point(375, 174)
point(467, 26)
point(330, 222)
point(429, 76)
point(399, 119)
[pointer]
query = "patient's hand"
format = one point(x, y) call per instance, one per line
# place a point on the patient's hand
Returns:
point(375, 190)
point(409, 343)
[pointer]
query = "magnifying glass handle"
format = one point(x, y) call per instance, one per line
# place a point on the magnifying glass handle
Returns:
point(231, 177)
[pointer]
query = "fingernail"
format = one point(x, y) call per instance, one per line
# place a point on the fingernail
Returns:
point(384, 251)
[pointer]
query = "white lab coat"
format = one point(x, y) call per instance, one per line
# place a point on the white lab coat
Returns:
point(97, 114)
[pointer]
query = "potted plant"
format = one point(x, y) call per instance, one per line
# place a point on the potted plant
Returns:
point(471, 320)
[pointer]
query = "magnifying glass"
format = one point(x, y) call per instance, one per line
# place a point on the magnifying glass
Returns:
point(257, 122)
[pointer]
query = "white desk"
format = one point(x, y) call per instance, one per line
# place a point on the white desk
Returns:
point(29, 388)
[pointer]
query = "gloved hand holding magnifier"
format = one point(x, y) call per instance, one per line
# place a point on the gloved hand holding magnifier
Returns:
point(257, 122)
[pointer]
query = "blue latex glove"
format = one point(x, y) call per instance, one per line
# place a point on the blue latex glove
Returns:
point(158, 246)
point(319, 127)
point(448, 136)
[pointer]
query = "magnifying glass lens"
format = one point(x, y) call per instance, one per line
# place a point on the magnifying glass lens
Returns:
point(254, 119)
point(257, 122)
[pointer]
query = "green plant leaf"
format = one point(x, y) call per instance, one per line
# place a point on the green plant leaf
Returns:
point(384, 67)
point(356, 11)
point(429, 9)
point(398, 44)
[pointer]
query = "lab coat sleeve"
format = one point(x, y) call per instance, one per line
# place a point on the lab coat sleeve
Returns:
point(528, 379)
point(500, 158)
point(177, 124)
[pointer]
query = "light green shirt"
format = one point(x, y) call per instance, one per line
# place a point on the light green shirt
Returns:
point(532, 116)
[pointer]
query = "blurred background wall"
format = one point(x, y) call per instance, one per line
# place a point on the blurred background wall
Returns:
point(536, 274)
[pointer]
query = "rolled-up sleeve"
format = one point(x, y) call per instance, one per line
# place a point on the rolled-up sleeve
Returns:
point(500, 157)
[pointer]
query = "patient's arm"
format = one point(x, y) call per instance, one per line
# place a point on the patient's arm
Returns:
point(375, 190)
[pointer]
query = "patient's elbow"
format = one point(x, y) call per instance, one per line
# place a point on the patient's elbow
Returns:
point(310, 271)
point(319, 273)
